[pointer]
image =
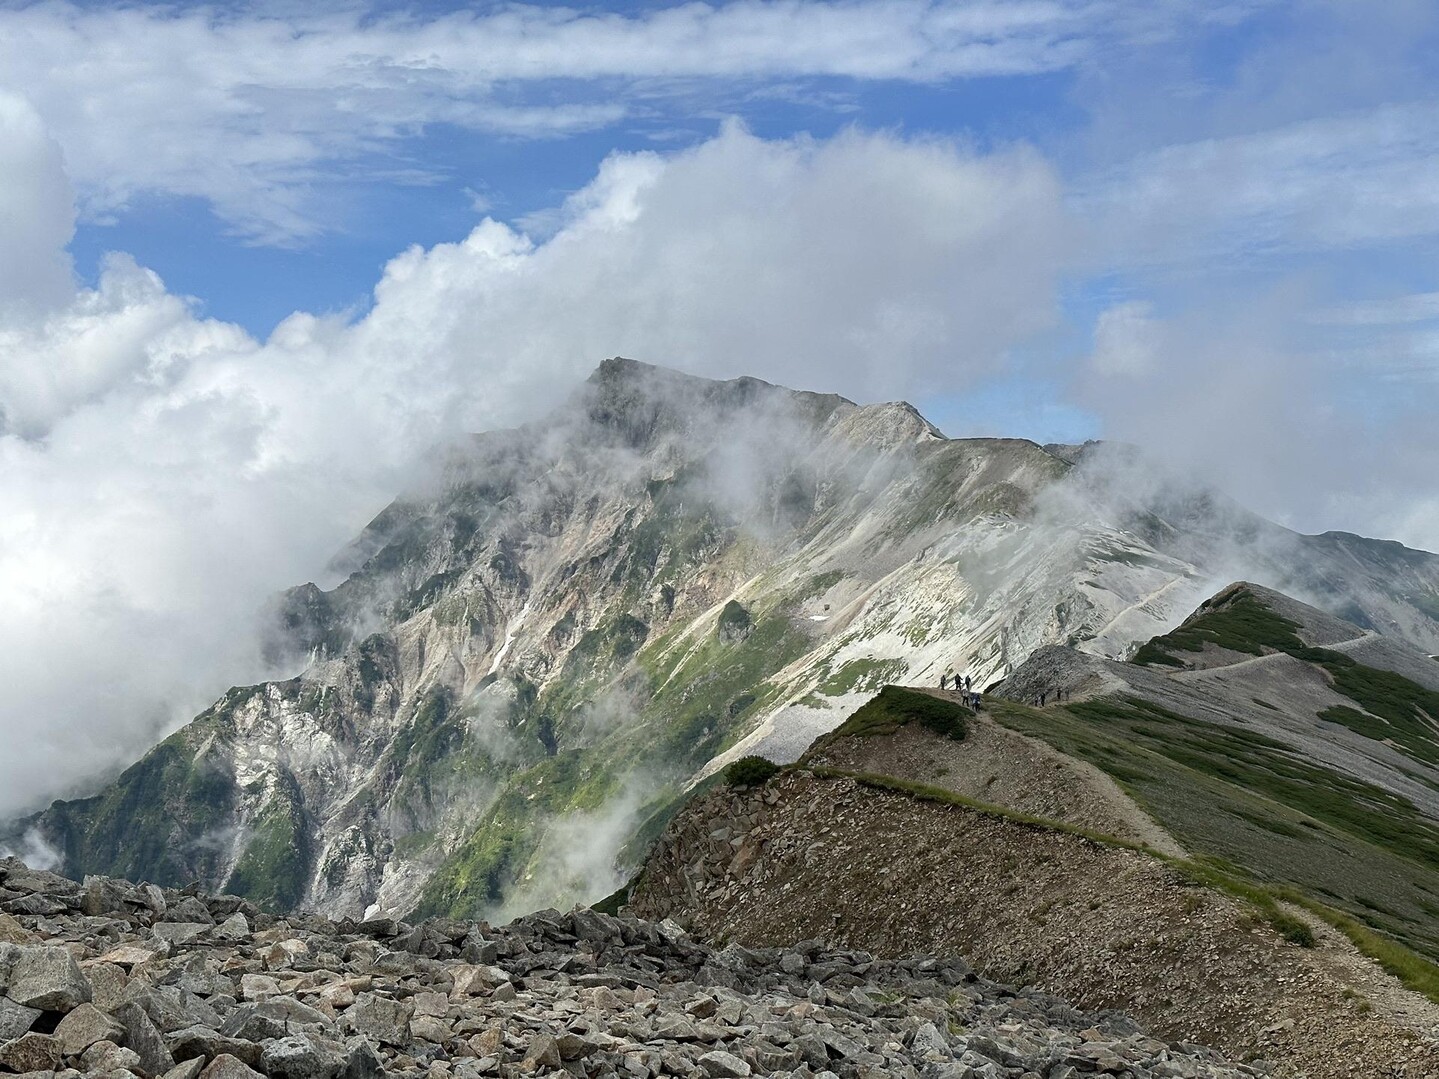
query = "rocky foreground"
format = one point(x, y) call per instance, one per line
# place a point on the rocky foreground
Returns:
point(119, 979)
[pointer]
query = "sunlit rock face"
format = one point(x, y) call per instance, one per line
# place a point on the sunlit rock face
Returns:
point(539, 647)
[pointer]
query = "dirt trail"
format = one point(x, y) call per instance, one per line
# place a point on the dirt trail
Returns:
point(1005, 768)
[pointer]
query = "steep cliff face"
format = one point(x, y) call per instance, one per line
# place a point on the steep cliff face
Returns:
point(539, 646)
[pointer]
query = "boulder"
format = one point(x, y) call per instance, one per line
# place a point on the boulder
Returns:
point(31, 1053)
point(227, 1067)
point(144, 1038)
point(722, 1065)
point(47, 978)
point(303, 1056)
point(15, 1019)
point(383, 1021)
point(85, 1026)
point(107, 1057)
point(205, 1044)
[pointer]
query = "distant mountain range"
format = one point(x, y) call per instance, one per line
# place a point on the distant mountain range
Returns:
point(540, 648)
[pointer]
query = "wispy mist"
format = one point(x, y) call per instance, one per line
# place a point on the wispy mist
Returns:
point(164, 475)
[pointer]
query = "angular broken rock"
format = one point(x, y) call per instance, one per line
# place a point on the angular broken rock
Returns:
point(143, 1036)
point(47, 978)
point(31, 1053)
point(12, 932)
point(189, 1069)
point(227, 1067)
point(543, 1052)
point(380, 1019)
point(303, 1056)
point(107, 1057)
point(15, 1019)
point(180, 932)
point(85, 1026)
point(722, 1065)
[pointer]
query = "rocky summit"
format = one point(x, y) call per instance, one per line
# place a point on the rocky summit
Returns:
point(107, 977)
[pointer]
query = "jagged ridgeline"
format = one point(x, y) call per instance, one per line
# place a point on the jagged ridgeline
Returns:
point(537, 649)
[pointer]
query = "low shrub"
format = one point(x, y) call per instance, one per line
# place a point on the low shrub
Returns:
point(750, 772)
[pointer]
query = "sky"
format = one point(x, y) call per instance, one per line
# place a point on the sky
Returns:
point(257, 259)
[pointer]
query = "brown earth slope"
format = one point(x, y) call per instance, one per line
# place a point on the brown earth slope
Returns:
point(811, 856)
point(1002, 767)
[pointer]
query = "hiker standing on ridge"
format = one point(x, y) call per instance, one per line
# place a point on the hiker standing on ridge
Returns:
point(943, 680)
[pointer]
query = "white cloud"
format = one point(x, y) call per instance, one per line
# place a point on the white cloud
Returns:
point(37, 216)
point(1124, 339)
point(164, 475)
point(1229, 392)
point(1356, 179)
point(262, 116)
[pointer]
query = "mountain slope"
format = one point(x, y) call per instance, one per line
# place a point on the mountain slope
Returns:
point(537, 648)
point(1045, 843)
point(1271, 737)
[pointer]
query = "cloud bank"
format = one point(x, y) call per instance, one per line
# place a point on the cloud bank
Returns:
point(163, 474)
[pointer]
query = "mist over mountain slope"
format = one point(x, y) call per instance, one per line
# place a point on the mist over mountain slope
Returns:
point(537, 649)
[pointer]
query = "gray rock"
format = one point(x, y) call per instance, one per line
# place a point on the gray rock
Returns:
point(722, 1065)
point(227, 1067)
point(85, 1026)
point(303, 1056)
point(108, 982)
point(15, 1019)
point(362, 1062)
point(189, 1069)
point(380, 1019)
point(108, 1057)
point(929, 1044)
point(205, 1043)
point(31, 1053)
point(235, 927)
point(143, 1036)
point(180, 932)
point(47, 978)
point(189, 909)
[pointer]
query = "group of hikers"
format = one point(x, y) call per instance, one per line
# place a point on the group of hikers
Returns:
point(968, 696)
point(963, 685)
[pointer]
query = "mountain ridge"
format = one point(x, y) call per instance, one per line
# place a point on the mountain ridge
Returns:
point(542, 645)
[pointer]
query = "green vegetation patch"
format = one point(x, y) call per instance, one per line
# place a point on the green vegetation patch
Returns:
point(274, 869)
point(1238, 798)
point(1407, 712)
point(1242, 624)
point(894, 707)
point(861, 675)
point(750, 772)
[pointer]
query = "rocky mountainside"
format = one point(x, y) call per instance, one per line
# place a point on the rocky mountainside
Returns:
point(537, 649)
point(1221, 885)
point(107, 977)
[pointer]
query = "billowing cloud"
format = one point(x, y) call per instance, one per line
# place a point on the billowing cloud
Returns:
point(163, 475)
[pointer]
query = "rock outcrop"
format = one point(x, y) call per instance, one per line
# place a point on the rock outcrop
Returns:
point(125, 980)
